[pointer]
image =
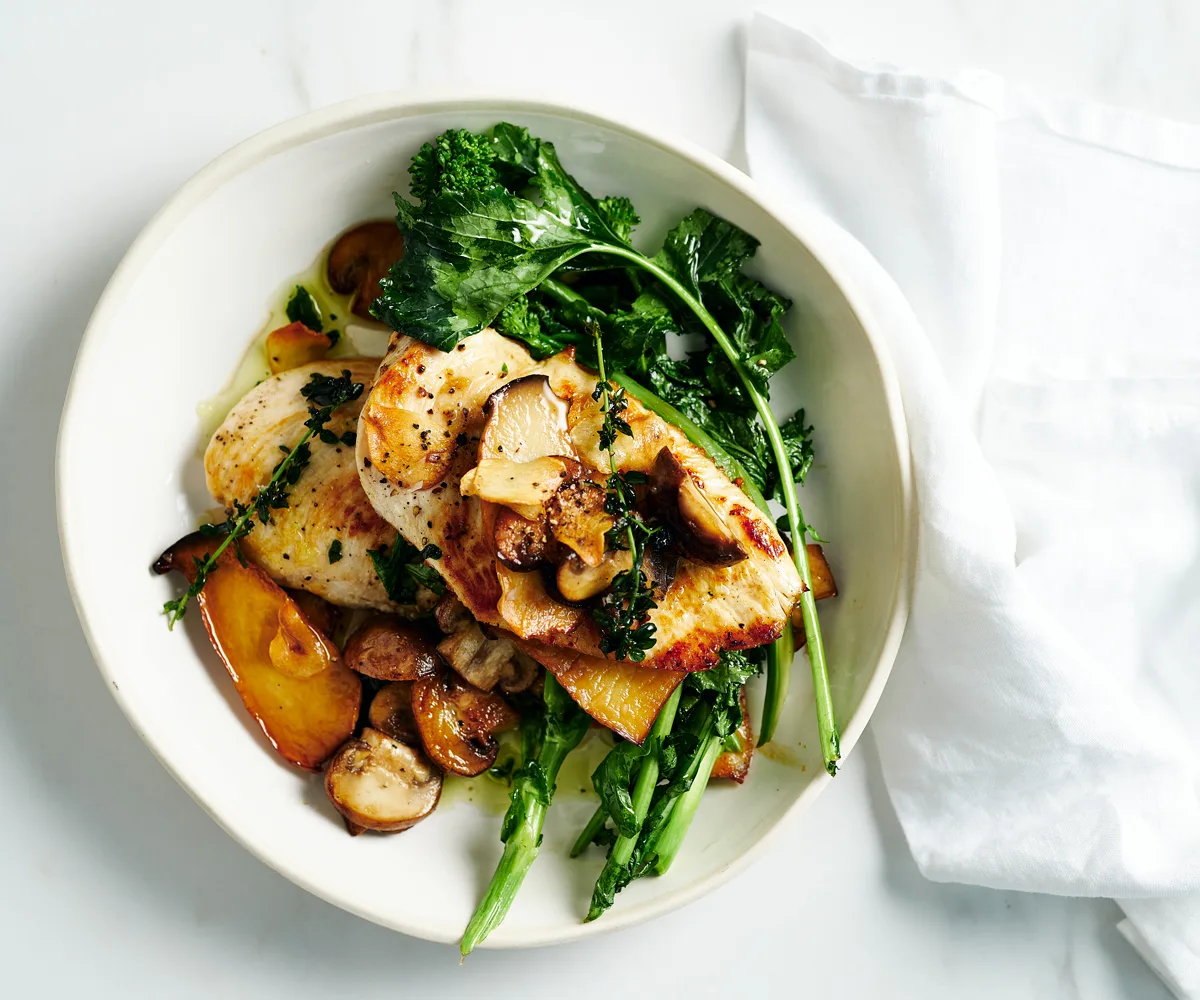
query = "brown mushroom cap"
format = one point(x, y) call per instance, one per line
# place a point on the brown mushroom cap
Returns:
point(391, 712)
point(521, 543)
point(391, 649)
point(359, 258)
point(379, 783)
point(456, 722)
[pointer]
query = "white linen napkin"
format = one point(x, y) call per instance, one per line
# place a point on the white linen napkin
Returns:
point(1043, 313)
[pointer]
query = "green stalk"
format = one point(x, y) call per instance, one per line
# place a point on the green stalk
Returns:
point(826, 723)
point(643, 791)
point(588, 833)
point(779, 675)
point(684, 810)
point(524, 821)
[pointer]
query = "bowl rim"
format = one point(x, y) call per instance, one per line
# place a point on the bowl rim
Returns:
point(802, 222)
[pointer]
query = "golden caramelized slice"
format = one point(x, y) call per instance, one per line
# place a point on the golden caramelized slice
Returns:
point(379, 783)
point(456, 722)
point(294, 345)
point(735, 764)
point(391, 712)
point(620, 695)
point(359, 258)
point(823, 584)
point(305, 714)
point(390, 649)
point(426, 406)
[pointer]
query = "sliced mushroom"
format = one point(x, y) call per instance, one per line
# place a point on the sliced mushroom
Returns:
point(659, 565)
point(359, 258)
point(521, 543)
point(456, 722)
point(523, 674)
point(391, 712)
point(391, 649)
point(701, 530)
point(525, 420)
point(577, 519)
point(479, 660)
point(379, 783)
point(578, 582)
point(519, 484)
point(294, 345)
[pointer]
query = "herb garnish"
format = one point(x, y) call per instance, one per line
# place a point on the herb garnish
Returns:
point(401, 569)
point(623, 614)
point(302, 308)
point(335, 551)
point(325, 393)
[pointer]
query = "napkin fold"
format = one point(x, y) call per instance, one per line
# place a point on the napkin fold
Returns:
point(1034, 266)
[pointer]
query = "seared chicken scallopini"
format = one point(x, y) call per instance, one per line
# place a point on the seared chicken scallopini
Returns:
point(419, 435)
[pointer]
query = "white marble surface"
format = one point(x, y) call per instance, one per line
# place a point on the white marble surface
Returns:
point(114, 882)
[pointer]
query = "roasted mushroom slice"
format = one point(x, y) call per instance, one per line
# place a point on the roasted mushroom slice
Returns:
point(698, 525)
point(525, 486)
point(391, 712)
point(578, 582)
point(521, 543)
point(379, 783)
point(456, 722)
point(359, 258)
point(578, 520)
point(485, 661)
point(525, 420)
point(391, 649)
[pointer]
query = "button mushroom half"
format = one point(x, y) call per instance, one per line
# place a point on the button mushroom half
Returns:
point(378, 783)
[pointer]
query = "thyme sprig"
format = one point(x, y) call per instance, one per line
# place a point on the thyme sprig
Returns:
point(325, 393)
point(623, 613)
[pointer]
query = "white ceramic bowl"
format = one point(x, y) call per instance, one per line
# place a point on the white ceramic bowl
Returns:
point(168, 331)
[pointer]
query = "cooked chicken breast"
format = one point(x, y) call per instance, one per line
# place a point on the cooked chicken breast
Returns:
point(419, 433)
point(327, 503)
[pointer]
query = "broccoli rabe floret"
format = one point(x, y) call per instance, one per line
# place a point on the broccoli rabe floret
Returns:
point(457, 160)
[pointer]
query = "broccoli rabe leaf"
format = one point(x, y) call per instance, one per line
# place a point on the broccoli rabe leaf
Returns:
point(472, 245)
point(612, 780)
